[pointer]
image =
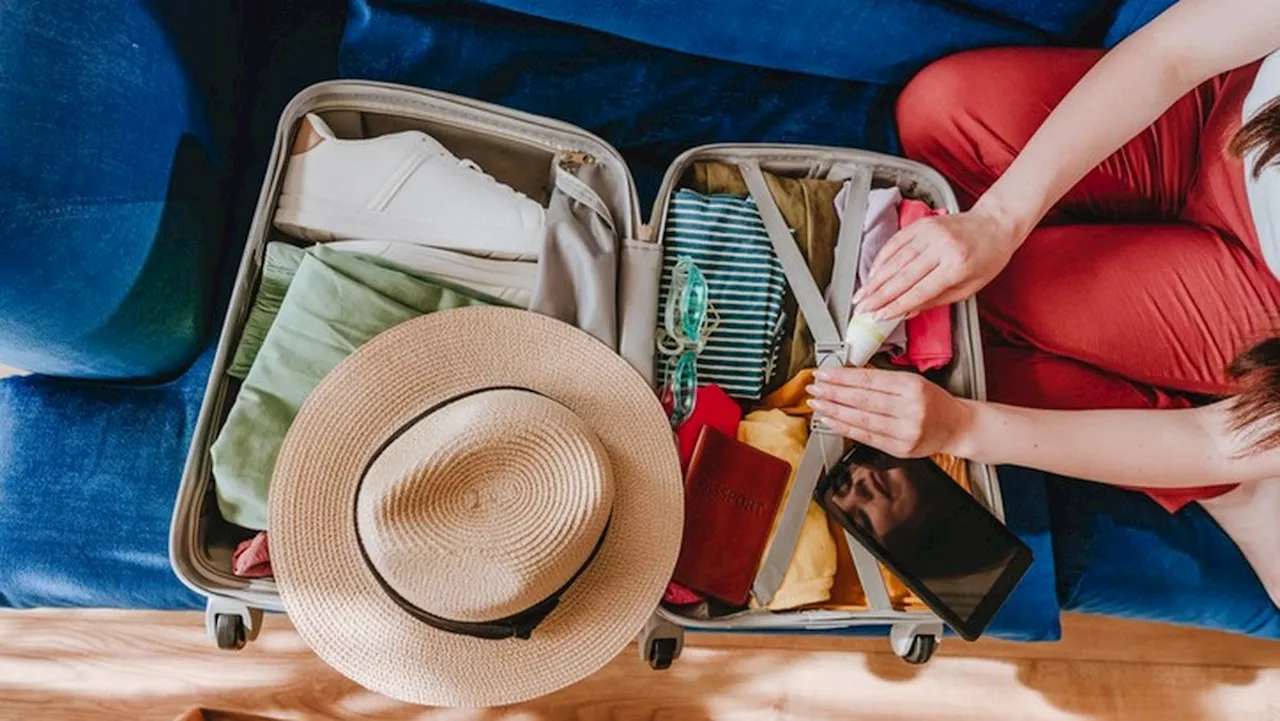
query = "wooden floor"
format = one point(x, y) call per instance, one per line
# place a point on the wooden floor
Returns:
point(72, 665)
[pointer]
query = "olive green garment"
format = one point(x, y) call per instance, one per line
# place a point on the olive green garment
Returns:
point(334, 303)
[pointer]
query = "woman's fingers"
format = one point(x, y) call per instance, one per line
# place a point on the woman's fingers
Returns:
point(872, 401)
point(855, 417)
point(953, 294)
point(892, 256)
point(859, 435)
point(893, 287)
point(872, 379)
point(925, 293)
point(881, 408)
point(874, 288)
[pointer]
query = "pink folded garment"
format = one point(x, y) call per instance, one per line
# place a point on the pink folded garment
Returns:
point(677, 595)
point(929, 333)
point(252, 558)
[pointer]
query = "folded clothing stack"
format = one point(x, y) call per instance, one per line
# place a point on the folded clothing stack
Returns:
point(758, 356)
point(761, 340)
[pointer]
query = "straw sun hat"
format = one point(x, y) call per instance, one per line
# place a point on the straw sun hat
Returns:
point(453, 478)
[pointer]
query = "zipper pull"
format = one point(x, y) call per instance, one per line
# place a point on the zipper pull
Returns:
point(571, 159)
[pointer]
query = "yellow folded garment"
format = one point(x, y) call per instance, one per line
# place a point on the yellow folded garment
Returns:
point(813, 566)
point(790, 397)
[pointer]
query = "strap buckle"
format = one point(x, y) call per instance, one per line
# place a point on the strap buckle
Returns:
point(831, 353)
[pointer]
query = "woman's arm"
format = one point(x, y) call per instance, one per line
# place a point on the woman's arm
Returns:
point(905, 415)
point(1148, 448)
point(1125, 93)
point(944, 260)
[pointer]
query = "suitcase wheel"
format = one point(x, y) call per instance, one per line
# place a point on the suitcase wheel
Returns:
point(229, 630)
point(662, 651)
point(921, 650)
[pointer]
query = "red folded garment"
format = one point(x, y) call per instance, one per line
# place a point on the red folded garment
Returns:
point(252, 559)
point(929, 344)
point(712, 407)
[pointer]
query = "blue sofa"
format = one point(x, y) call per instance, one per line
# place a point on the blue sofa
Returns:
point(133, 134)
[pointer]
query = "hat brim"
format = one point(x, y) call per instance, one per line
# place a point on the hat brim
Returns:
point(335, 601)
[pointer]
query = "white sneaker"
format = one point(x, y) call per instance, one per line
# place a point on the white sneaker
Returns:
point(404, 186)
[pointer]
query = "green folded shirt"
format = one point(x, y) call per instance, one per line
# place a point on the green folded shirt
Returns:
point(325, 304)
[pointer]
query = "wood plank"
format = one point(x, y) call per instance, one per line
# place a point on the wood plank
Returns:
point(71, 665)
point(1085, 638)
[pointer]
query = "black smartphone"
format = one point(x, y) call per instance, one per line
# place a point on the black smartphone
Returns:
point(945, 546)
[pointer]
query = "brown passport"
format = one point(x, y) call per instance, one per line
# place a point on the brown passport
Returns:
point(731, 494)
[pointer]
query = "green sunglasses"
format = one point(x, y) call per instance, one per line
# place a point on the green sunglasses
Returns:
point(688, 321)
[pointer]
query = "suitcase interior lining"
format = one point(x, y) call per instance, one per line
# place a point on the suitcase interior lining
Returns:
point(958, 376)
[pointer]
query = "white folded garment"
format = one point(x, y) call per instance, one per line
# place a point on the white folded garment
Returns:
point(509, 280)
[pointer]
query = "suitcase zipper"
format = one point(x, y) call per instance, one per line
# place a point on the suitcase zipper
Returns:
point(571, 159)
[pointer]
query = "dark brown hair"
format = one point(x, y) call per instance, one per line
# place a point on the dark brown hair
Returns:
point(1261, 133)
point(1255, 411)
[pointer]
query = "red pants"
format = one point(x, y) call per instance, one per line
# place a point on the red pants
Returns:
point(1145, 281)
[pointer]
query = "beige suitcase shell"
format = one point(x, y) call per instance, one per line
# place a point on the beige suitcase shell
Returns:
point(519, 148)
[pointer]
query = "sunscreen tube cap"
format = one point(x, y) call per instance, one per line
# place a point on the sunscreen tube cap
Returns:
point(865, 336)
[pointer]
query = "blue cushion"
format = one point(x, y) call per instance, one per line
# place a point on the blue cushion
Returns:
point(111, 199)
point(878, 42)
point(88, 477)
point(1120, 554)
point(650, 103)
point(89, 471)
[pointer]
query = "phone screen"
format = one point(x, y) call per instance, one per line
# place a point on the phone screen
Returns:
point(944, 545)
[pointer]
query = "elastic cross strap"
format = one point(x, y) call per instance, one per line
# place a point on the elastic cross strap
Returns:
point(826, 319)
point(868, 569)
point(777, 558)
point(849, 247)
point(840, 301)
point(799, 277)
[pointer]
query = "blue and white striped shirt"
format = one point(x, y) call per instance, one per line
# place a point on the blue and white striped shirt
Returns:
point(724, 236)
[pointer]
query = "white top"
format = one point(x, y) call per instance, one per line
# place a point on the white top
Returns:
point(1264, 191)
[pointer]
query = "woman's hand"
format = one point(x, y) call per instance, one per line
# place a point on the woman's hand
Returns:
point(938, 260)
point(900, 413)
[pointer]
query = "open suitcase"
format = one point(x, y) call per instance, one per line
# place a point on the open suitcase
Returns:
point(523, 151)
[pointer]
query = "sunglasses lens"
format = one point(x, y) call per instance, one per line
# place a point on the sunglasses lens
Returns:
point(685, 323)
point(682, 379)
point(693, 311)
point(675, 299)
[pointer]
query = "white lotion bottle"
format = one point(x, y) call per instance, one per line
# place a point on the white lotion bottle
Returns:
point(865, 336)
